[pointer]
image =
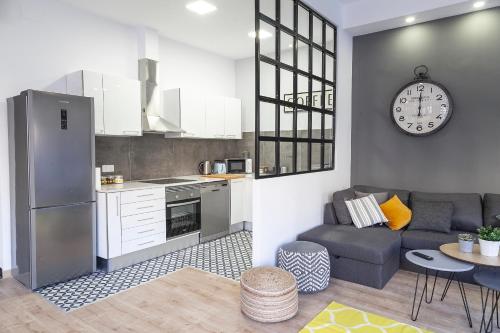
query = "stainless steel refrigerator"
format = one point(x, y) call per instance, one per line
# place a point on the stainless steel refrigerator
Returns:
point(52, 176)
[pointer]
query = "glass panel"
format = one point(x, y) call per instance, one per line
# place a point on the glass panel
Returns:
point(330, 68)
point(303, 124)
point(286, 13)
point(317, 31)
point(316, 95)
point(303, 24)
point(267, 158)
point(267, 40)
point(317, 62)
point(328, 163)
point(286, 121)
point(328, 127)
point(268, 8)
point(330, 38)
point(329, 97)
point(286, 84)
point(286, 55)
point(316, 156)
point(267, 80)
point(303, 56)
point(302, 90)
point(183, 219)
point(316, 125)
point(302, 156)
point(267, 119)
point(286, 157)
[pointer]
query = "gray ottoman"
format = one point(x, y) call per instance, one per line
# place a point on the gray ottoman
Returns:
point(308, 262)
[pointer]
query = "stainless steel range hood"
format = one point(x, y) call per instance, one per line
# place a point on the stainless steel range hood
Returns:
point(153, 120)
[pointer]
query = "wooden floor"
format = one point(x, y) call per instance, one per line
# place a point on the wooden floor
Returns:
point(190, 300)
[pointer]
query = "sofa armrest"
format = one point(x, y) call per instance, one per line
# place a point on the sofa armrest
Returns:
point(329, 216)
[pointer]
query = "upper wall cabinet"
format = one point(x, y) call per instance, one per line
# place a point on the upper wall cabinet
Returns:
point(117, 101)
point(211, 117)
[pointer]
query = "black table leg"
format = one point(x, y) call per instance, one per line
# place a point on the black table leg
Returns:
point(488, 327)
point(464, 300)
point(428, 300)
point(448, 284)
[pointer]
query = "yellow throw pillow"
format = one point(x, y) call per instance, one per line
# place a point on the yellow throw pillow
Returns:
point(397, 213)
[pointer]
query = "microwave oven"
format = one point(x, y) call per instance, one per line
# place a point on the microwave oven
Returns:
point(239, 165)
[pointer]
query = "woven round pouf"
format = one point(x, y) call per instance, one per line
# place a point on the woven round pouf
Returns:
point(269, 294)
point(308, 262)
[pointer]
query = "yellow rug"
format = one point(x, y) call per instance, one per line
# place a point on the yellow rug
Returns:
point(338, 318)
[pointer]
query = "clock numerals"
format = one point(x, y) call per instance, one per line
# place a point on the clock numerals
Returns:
point(409, 125)
point(408, 92)
point(420, 88)
point(403, 100)
point(439, 97)
point(439, 116)
point(430, 124)
point(402, 118)
point(398, 109)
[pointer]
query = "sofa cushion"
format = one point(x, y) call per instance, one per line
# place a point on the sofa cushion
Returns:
point(397, 213)
point(491, 208)
point(381, 197)
point(373, 245)
point(341, 211)
point(365, 212)
point(430, 240)
point(403, 195)
point(431, 216)
point(467, 208)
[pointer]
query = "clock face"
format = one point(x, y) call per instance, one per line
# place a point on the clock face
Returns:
point(422, 108)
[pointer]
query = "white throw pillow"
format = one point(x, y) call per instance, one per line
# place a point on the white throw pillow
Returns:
point(365, 211)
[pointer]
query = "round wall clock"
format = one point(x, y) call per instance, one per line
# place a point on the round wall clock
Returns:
point(421, 107)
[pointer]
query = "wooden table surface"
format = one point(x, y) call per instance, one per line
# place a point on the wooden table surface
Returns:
point(453, 250)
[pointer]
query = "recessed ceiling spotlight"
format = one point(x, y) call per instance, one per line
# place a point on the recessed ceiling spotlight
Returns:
point(410, 19)
point(263, 34)
point(201, 7)
point(479, 4)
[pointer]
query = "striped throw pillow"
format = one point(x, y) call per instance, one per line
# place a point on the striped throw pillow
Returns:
point(365, 211)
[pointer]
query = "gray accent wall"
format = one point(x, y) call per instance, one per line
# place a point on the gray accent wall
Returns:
point(463, 53)
point(152, 156)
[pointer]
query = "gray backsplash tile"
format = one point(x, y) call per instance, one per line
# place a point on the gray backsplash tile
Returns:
point(153, 156)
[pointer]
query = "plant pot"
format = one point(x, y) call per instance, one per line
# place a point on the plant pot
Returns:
point(489, 248)
point(466, 245)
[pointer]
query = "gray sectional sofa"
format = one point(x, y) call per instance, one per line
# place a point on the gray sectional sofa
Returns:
point(371, 256)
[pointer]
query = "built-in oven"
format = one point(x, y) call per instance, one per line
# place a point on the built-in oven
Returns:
point(183, 210)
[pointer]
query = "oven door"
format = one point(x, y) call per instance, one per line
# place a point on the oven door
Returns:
point(183, 217)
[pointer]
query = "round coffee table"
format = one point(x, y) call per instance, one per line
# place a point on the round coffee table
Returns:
point(453, 250)
point(440, 263)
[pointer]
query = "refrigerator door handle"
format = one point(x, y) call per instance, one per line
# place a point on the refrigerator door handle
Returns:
point(117, 206)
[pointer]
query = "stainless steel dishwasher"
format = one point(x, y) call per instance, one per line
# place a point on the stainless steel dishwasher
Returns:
point(215, 206)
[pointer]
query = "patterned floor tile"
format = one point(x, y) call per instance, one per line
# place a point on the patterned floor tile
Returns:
point(228, 256)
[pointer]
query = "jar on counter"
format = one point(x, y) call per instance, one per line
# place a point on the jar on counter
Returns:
point(118, 179)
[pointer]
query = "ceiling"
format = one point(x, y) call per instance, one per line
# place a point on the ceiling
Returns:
point(224, 32)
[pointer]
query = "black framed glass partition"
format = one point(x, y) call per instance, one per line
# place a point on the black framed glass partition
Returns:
point(295, 89)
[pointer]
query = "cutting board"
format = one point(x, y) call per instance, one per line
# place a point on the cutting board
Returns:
point(225, 176)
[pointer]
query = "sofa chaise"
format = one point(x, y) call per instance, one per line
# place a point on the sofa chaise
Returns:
point(370, 256)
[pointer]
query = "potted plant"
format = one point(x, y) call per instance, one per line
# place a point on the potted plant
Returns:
point(489, 241)
point(466, 242)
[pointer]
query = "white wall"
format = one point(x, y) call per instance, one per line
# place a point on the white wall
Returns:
point(42, 40)
point(286, 206)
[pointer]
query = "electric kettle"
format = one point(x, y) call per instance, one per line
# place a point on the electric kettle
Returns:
point(219, 167)
point(205, 168)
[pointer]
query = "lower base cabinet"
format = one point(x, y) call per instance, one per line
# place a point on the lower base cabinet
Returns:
point(241, 200)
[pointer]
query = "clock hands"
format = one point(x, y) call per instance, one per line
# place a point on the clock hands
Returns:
point(420, 105)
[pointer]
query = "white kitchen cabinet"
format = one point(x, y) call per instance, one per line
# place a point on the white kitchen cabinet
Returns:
point(232, 118)
point(215, 117)
point(129, 221)
point(185, 109)
point(117, 101)
point(122, 106)
point(241, 200)
point(89, 84)
point(212, 117)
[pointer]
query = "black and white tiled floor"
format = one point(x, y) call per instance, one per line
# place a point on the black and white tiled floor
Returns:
point(228, 256)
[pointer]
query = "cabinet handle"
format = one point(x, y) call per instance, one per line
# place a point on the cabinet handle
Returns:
point(145, 207)
point(145, 243)
point(149, 218)
point(145, 195)
point(143, 232)
point(117, 207)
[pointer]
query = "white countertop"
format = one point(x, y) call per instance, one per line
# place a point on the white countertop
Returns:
point(140, 185)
